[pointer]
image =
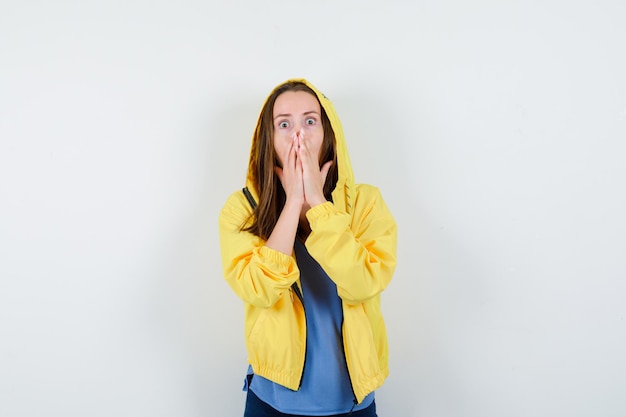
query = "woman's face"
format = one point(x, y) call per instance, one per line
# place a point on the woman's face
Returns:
point(297, 113)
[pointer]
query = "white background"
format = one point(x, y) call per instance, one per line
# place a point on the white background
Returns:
point(495, 130)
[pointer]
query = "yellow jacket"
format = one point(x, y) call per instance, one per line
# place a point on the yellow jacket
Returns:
point(353, 239)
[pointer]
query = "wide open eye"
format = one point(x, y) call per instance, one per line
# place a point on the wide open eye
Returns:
point(310, 121)
point(284, 124)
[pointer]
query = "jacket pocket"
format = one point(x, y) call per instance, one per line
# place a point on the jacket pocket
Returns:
point(359, 343)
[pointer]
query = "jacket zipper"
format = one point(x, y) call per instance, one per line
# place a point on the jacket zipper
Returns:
point(354, 401)
point(295, 289)
point(350, 378)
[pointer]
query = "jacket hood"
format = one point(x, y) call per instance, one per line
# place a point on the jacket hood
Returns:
point(343, 192)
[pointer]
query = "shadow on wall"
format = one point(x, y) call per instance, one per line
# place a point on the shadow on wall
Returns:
point(376, 134)
point(199, 318)
point(230, 124)
point(389, 148)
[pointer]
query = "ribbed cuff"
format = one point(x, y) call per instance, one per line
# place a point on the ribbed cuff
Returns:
point(320, 210)
point(276, 257)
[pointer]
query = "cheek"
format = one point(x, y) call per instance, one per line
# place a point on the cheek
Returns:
point(281, 145)
point(316, 144)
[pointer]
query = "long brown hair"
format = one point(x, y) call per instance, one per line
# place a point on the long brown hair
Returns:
point(263, 159)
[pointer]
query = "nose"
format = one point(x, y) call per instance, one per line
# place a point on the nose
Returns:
point(298, 129)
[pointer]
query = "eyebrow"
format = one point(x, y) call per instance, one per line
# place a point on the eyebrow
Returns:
point(289, 114)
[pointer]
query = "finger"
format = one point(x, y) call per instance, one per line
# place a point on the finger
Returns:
point(298, 144)
point(291, 156)
point(303, 142)
point(325, 170)
point(306, 152)
point(299, 162)
point(304, 157)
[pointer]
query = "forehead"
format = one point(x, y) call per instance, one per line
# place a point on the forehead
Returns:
point(295, 102)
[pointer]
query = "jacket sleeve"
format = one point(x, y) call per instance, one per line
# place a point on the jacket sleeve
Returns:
point(358, 251)
point(257, 274)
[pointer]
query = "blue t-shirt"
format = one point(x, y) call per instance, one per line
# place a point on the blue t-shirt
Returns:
point(326, 387)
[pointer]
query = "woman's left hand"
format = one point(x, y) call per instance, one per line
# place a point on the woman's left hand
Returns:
point(313, 177)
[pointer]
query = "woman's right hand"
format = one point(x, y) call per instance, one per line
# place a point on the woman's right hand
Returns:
point(290, 174)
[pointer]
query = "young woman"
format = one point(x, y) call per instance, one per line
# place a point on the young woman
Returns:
point(309, 252)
